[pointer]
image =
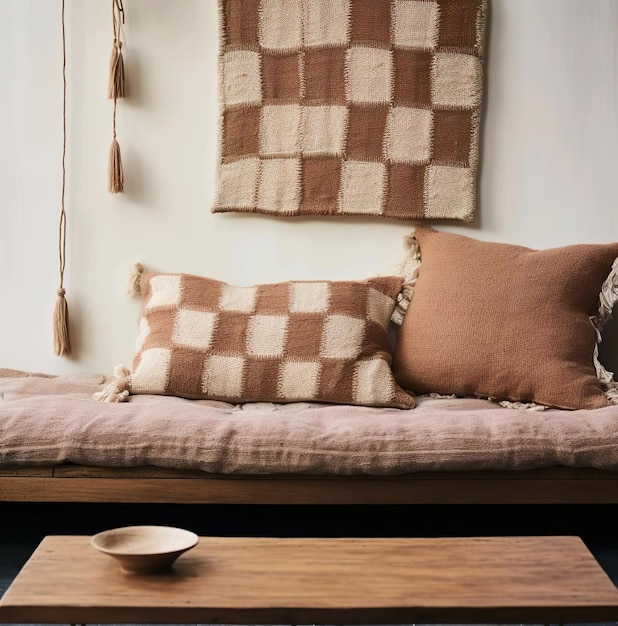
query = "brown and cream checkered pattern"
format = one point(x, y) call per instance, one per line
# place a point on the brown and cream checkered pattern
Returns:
point(358, 107)
point(295, 341)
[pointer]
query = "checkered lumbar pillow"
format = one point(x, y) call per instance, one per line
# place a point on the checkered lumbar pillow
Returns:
point(346, 107)
point(286, 342)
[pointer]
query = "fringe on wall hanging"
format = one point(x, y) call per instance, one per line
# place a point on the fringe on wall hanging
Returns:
point(62, 341)
point(115, 90)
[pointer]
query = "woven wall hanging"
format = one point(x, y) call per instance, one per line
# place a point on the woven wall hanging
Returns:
point(357, 107)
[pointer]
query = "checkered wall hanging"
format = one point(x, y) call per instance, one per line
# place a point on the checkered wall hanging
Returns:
point(355, 107)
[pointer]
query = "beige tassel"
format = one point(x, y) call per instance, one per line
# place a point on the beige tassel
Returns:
point(62, 342)
point(115, 87)
point(117, 390)
point(114, 392)
point(135, 281)
point(115, 173)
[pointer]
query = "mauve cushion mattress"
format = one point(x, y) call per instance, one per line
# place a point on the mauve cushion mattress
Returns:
point(47, 419)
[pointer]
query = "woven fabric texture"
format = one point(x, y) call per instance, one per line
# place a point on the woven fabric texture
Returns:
point(48, 419)
point(283, 342)
point(353, 107)
point(506, 322)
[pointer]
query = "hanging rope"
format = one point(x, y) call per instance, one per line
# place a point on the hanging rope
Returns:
point(62, 343)
point(115, 90)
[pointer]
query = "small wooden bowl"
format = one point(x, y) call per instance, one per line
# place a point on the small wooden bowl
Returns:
point(144, 549)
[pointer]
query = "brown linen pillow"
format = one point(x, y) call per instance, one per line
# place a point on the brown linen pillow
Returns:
point(506, 322)
point(286, 342)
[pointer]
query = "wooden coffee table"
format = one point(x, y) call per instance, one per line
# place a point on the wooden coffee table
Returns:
point(241, 580)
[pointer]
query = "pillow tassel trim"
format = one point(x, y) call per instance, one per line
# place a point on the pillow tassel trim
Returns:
point(409, 271)
point(135, 289)
point(117, 390)
point(607, 299)
point(525, 406)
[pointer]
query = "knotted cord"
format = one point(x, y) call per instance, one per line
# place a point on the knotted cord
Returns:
point(62, 343)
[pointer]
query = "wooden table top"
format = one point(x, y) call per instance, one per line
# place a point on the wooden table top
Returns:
point(246, 580)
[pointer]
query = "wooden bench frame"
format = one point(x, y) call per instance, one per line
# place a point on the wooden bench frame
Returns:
point(77, 483)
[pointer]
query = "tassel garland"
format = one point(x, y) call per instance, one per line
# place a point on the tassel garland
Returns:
point(115, 90)
point(115, 173)
point(62, 341)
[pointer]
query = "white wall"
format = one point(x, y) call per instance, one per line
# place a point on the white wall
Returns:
point(549, 167)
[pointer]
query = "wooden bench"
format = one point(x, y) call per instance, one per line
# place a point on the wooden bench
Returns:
point(77, 483)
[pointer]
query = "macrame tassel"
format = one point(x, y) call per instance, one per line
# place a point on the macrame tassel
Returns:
point(115, 173)
point(117, 390)
point(62, 342)
point(115, 86)
point(114, 392)
point(135, 285)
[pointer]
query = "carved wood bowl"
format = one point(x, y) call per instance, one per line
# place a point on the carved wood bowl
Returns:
point(145, 549)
